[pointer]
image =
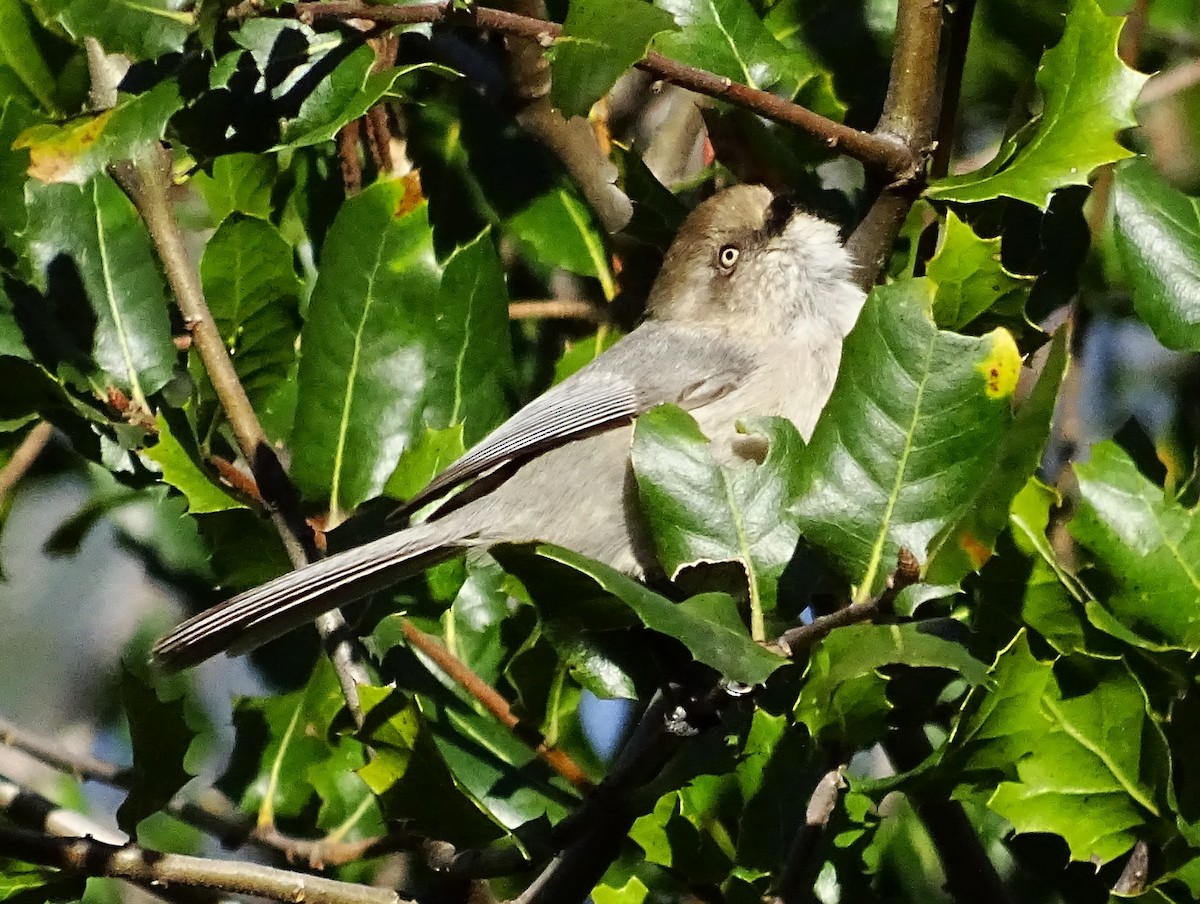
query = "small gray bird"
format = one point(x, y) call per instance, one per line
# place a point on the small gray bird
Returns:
point(746, 317)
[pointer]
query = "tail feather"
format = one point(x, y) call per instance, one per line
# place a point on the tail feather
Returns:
point(252, 618)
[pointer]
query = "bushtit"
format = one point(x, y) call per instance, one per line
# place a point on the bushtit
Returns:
point(746, 317)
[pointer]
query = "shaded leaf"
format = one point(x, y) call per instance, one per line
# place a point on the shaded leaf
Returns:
point(1147, 544)
point(1158, 236)
point(22, 883)
point(15, 118)
point(908, 434)
point(12, 340)
point(160, 738)
point(843, 694)
point(99, 229)
point(253, 292)
point(409, 775)
point(600, 40)
point(424, 459)
point(20, 53)
point(970, 277)
point(709, 625)
point(1088, 95)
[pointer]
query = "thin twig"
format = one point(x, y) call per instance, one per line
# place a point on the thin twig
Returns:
point(44, 750)
point(24, 457)
point(878, 151)
point(494, 703)
point(89, 857)
point(1170, 82)
point(959, 36)
point(801, 637)
point(557, 309)
point(148, 182)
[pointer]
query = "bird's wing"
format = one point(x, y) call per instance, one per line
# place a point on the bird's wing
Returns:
point(655, 364)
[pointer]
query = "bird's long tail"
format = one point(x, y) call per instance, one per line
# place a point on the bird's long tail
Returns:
point(264, 613)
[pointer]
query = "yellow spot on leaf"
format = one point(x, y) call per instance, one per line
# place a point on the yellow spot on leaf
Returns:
point(1002, 366)
point(55, 152)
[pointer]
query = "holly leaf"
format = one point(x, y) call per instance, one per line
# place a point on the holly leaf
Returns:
point(970, 277)
point(1088, 95)
point(907, 437)
point(700, 512)
point(181, 470)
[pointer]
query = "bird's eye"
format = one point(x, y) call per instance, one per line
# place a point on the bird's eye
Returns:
point(728, 256)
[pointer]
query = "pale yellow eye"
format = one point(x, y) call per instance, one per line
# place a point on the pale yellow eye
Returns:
point(728, 256)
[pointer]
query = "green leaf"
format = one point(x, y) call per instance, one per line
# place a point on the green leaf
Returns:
point(600, 40)
point(908, 434)
point(83, 147)
point(22, 883)
point(181, 470)
point(559, 230)
point(709, 625)
point(363, 348)
point(97, 226)
point(20, 53)
point(143, 29)
point(344, 95)
point(238, 182)
point(728, 38)
point(700, 512)
point(253, 292)
point(1158, 237)
point(968, 542)
point(427, 457)
point(285, 746)
point(12, 339)
point(844, 697)
point(1088, 95)
point(160, 738)
point(1083, 781)
point(15, 118)
point(1147, 544)
point(393, 344)
point(970, 277)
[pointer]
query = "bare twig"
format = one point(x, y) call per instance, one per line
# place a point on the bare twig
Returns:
point(557, 309)
point(24, 457)
point(53, 754)
point(879, 151)
point(90, 857)
point(907, 573)
point(147, 182)
point(1170, 82)
point(958, 18)
point(493, 702)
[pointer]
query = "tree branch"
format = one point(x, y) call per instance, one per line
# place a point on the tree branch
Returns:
point(148, 182)
point(880, 151)
point(96, 858)
point(909, 117)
